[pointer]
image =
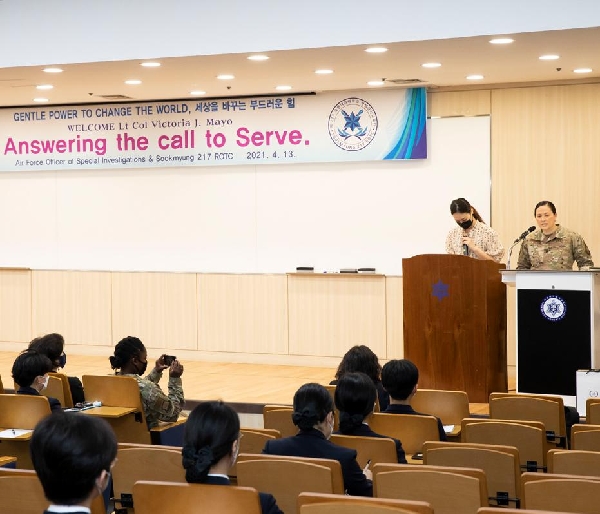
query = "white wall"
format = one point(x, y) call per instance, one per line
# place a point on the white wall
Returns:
point(265, 219)
point(34, 32)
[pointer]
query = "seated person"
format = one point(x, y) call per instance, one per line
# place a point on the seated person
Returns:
point(53, 346)
point(400, 378)
point(30, 372)
point(73, 455)
point(361, 358)
point(355, 398)
point(211, 446)
point(313, 415)
point(131, 360)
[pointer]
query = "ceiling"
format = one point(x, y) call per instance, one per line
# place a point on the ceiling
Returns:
point(517, 62)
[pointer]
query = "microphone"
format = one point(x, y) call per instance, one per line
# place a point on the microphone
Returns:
point(465, 249)
point(524, 234)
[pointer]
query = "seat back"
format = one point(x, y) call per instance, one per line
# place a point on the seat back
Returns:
point(285, 479)
point(335, 467)
point(529, 437)
point(592, 411)
point(153, 463)
point(448, 490)
point(253, 441)
point(585, 437)
point(279, 418)
point(1, 386)
point(574, 462)
point(22, 494)
point(351, 508)
point(55, 390)
point(498, 510)
point(412, 430)
point(118, 391)
point(450, 406)
point(22, 410)
point(567, 493)
point(67, 396)
point(172, 498)
point(549, 410)
point(306, 499)
point(374, 449)
point(500, 464)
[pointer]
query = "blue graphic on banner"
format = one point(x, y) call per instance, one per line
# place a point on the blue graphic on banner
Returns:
point(412, 143)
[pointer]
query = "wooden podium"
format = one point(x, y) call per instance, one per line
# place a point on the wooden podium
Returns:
point(455, 323)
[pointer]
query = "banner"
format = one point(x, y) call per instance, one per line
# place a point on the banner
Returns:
point(328, 127)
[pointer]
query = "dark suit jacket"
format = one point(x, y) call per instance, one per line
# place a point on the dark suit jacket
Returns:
point(364, 430)
point(76, 390)
point(312, 443)
point(407, 409)
point(54, 403)
point(267, 501)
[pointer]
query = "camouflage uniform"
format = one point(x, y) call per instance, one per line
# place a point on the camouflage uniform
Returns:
point(157, 405)
point(558, 252)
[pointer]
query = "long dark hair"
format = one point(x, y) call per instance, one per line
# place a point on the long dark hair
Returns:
point(460, 205)
point(210, 430)
point(360, 358)
point(355, 396)
point(312, 403)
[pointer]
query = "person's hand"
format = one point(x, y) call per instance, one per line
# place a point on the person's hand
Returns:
point(160, 365)
point(176, 369)
point(466, 240)
point(367, 472)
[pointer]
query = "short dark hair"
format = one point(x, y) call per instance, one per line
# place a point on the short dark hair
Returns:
point(360, 358)
point(210, 430)
point(125, 349)
point(542, 203)
point(312, 403)
point(28, 365)
point(399, 378)
point(51, 345)
point(355, 395)
point(69, 451)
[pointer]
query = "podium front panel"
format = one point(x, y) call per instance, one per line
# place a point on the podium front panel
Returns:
point(554, 334)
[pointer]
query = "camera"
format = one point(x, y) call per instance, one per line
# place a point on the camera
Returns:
point(168, 359)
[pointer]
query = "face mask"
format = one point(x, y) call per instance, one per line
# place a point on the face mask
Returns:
point(46, 379)
point(100, 488)
point(144, 366)
point(62, 360)
point(465, 224)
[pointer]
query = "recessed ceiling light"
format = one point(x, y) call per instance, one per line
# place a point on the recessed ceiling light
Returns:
point(323, 72)
point(53, 70)
point(474, 77)
point(133, 82)
point(197, 93)
point(283, 88)
point(225, 77)
point(502, 41)
point(431, 65)
point(376, 50)
point(549, 57)
point(40, 100)
point(582, 70)
point(375, 83)
point(258, 57)
point(44, 86)
point(150, 64)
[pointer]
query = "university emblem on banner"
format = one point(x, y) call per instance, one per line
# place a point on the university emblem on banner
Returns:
point(553, 308)
point(352, 124)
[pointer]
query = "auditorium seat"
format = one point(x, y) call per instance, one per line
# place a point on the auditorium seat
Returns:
point(253, 441)
point(450, 406)
point(278, 417)
point(592, 411)
point(566, 493)
point(585, 437)
point(173, 498)
point(331, 500)
point(449, 490)
point(373, 449)
point(574, 462)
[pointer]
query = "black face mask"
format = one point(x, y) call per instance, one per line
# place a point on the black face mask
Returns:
point(465, 224)
point(144, 366)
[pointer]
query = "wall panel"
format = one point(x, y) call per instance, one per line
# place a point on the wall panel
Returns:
point(15, 305)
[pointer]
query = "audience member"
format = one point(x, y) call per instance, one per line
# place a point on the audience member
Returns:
point(30, 372)
point(211, 446)
point(53, 347)
point(355, 398)
point(131, 359)
point(361, 358)
point(400, 378)
point(313, 415)
point(73, 455)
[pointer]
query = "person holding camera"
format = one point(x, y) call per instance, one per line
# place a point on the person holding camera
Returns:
point(131, 359)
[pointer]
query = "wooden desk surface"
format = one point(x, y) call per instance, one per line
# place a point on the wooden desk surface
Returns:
point(24, 437)
point(109, 412)
point(4, 461)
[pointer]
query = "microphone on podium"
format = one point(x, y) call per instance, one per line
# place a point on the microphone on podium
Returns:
point(524, 234)
point(465, 249)
point(520, 238)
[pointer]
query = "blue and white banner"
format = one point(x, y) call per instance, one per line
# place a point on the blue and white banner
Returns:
point(329, 127)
